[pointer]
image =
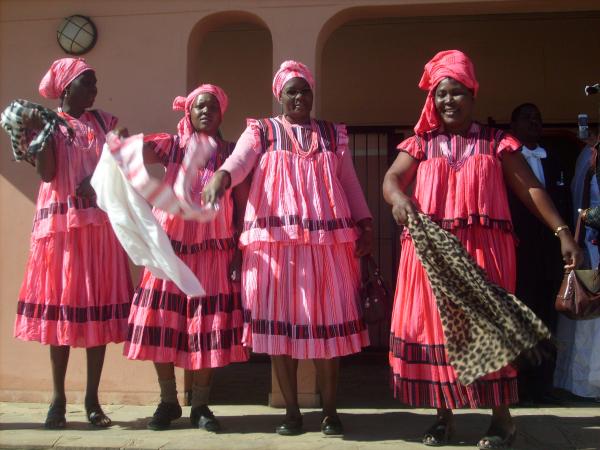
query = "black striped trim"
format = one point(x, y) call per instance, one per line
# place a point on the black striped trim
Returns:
point(192, 307)
point(295, 220)
point(429, 393)
point(62, 207)
point(182, 341)
point(292, 331)
point(209, 244)
point(73, 314)
point(413, 353)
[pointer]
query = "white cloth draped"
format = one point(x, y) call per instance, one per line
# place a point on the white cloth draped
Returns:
point(131, 216)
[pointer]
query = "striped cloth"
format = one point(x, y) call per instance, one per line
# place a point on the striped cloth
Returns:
point(11, 120)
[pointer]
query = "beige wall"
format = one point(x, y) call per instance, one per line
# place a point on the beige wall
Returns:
point(149, 51)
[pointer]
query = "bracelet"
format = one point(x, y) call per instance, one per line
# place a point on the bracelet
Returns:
point(560, 228)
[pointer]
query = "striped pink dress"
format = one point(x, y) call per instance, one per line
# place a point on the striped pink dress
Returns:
point(77, 286)
point(460, 184)
point(167, 326)
point(300, 276)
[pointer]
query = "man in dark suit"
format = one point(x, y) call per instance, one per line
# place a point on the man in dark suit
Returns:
point(539, 263)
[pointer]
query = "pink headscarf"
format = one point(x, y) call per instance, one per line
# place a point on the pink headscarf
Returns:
point(447, 64)
point(59, 76)
point(287, 71)
point(184, 127)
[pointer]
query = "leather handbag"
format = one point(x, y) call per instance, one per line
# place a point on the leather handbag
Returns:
point(375, 297)
point(579, 294)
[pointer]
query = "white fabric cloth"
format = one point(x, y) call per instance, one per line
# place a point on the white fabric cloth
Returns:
point(132, 220)
point(578, 358)
point(534, 159)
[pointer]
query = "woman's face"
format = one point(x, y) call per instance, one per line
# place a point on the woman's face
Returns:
point(205, 114)
point(81, 92)
point(297, 100)
point(454, 103)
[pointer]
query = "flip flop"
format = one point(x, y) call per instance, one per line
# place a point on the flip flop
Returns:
point(438, 434)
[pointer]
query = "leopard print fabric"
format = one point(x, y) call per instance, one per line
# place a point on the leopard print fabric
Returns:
point(485, 326)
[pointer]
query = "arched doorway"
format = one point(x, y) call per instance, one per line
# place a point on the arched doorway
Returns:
point(234, 50)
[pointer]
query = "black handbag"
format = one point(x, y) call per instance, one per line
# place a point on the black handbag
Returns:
point(375, 299)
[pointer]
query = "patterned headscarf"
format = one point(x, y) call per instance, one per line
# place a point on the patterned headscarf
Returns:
point(184, 127)
point(287, 71)
point(447, 64)
point(61, 73)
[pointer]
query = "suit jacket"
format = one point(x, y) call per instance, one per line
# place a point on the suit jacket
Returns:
point(539, 261)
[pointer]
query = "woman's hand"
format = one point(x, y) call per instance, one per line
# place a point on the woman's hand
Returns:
point(33, 121)
point(85, 189)
point(122, 132)
point(402, 209)
point(235, 267)
point(216, 187)
point(364, 243)
point(571, 253)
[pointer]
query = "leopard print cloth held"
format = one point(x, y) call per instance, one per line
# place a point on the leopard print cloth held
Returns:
point(485, 326)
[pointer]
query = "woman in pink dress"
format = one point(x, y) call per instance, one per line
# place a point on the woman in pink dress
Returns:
point(306, 223)
point(459, 169)
point(165, 325)
point(77, 285)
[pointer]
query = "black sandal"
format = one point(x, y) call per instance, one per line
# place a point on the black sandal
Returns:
point(438, 435)
point(495, 439)
point(163, 416)
point(55, 419)
point(96, 417)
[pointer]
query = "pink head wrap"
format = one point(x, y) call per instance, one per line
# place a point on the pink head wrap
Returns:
point(184, 127)
point(59, 76)
point(447, 64)
point(287, 71)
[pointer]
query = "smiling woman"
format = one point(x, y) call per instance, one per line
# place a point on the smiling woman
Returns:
point(460, 170)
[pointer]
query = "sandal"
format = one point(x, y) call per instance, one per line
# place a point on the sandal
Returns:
point(332, 426)
point(495, 439)
point(55, 419)
point(96, 417)
point(438, 434)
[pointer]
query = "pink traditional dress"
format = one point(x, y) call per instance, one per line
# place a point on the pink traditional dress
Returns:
point(77, 286)
point(167, 326)
point(460, 185)
point(300, 276)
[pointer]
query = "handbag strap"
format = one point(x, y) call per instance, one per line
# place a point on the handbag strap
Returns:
point(368, 269)
point(578, 226)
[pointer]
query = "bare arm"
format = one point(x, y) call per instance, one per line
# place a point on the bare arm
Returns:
point(397, 179)
point(240, 199)
point(527, 188)
point(150, 156)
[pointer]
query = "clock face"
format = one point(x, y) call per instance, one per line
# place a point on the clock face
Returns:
point(77, 35)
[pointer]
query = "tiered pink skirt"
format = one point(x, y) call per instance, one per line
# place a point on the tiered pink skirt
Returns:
point(422, 375)
point(76, 289)
point(302, 300)
point(167, 326)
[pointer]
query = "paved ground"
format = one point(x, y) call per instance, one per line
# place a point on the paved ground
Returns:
point(373, 420)
point(250, 427)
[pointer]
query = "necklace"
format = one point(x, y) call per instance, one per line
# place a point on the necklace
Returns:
point(314, 139)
